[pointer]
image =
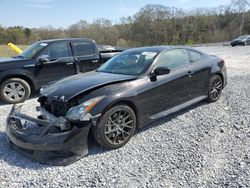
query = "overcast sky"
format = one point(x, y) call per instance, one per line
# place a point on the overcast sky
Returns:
point(62, 13)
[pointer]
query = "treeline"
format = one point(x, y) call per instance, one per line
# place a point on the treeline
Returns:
point(152, 25)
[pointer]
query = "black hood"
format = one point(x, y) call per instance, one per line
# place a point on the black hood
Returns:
point(12, 59)
point(72, 86)
point(238, 40)
point(14, 62)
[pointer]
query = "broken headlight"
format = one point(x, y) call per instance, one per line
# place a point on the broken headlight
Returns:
point(79, 112)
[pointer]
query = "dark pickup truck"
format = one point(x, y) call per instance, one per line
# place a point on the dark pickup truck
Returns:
point(46, 61)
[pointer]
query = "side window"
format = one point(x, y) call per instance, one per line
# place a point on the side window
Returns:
point(57, 50)
point(195, 56)
point(84, 49)
point(173, 59)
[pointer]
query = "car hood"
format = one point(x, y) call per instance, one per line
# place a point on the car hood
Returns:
point(72, 86)
point(239, 40)
point(13, 62)
point(11, 59)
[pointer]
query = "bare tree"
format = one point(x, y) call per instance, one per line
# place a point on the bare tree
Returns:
point(241, 6)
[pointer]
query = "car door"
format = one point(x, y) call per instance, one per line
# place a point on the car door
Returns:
point(198, 75)
point(87, 56)
point(169, 90)
point(60, 63)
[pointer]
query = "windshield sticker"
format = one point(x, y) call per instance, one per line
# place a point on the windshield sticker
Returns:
point(43, 44)
point(151, 54)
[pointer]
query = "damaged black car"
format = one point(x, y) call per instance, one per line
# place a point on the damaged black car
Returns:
point(124, 94)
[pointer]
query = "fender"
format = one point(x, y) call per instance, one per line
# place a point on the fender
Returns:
point(108, 102)
point(215, 69)
point(19, 73)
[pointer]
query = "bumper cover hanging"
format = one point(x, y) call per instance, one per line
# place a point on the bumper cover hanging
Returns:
point(47, 139)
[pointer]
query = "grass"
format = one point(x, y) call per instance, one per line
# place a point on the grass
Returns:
point(5, 51)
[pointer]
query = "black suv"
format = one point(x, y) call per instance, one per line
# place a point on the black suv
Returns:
point(46, 61)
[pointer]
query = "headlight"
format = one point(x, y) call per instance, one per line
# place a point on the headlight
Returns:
point(78, 112)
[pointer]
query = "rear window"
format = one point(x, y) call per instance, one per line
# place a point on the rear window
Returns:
point(84, 49)
point(195, 56)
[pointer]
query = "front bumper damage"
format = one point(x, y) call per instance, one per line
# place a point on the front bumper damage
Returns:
point(47, 139)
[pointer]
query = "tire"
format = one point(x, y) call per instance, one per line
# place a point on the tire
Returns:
point(109, 129)
point(215, 88)
point(19, 88)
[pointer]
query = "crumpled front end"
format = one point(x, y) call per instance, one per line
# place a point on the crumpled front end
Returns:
point(47, 139)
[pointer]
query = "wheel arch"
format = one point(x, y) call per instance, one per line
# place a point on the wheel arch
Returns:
point(220, 74)
point(23, 77)
point(128, 103)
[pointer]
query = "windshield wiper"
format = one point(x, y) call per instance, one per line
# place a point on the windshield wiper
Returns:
point(104, 71)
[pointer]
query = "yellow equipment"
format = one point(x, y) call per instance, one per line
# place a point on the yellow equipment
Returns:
point(15, 48)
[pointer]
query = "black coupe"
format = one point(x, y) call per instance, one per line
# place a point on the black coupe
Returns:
point(124, 94)
point(241, 40)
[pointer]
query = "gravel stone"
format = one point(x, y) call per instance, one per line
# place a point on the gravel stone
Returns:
point(206, 145)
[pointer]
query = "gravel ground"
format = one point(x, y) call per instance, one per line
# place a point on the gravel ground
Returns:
point(207, 145)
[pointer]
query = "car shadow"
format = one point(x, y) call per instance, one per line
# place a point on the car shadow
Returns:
point(97, 149)
point(13, 158)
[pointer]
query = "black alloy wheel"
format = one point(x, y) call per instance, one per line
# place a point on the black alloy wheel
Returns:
point(215, 88)
point(115, 127)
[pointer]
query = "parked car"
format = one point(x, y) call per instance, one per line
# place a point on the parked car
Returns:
point(46, 61)
point(241, 40)
point(126, 93)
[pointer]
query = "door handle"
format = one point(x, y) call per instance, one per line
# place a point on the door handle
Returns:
point(94, 61)
point(189, 74)
point(71, 63)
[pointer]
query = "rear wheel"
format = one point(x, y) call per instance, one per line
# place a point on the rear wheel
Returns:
point(215, 88)
point(116, 127)
point(14, 90)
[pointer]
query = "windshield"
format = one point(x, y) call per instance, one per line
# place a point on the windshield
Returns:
point(33, 49)
point(129, 63)
point(242, 37)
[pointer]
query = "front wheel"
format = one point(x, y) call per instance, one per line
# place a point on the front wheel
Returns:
point(215, 88)
point(14, 90)
point(115, 127)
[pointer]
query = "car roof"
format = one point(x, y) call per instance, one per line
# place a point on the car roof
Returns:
point(66, 40)
point(157, 49)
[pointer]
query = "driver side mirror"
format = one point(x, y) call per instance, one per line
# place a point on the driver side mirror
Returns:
point(44, 58)
point(161, 71)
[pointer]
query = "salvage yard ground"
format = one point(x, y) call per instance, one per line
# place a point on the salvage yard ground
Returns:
point(207, 145)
